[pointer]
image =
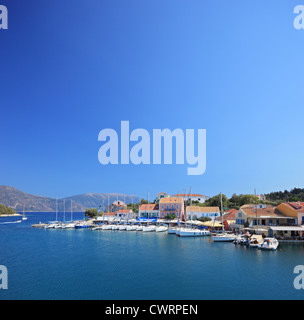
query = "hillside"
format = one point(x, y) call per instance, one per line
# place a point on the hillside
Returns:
point(94, 200)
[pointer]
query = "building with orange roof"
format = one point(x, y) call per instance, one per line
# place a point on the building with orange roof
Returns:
point(149, 210)
point(197, 212)
point(126, 214)
point(172, 205)
point(263, 216)
point(292, 209)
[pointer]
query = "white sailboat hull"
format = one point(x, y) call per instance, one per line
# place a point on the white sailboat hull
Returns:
point(188, 232)
point(224, 238)
point(161, 229)
point(149, 229)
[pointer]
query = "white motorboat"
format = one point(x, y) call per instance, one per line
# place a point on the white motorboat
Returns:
point(242, 239)
point(224, 237)
point(122, 227)
point(139, 228)
point(115, 227)
point(161, 228)
point(106, 227)
point(269, 244)
point(192, 232)
point(255, 241)
point(70, 225)
point(149, 228)
point(172, 230)
point(131, 227)
point(96, 228)
point(49, 226)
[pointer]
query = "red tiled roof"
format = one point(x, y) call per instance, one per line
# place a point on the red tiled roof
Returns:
point(110, 213)
point(171, 200)
point(124, 211)
point(298, 206)
point(230, 214)
point(149, 207)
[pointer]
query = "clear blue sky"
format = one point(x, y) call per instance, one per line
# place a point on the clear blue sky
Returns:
point(72, 68)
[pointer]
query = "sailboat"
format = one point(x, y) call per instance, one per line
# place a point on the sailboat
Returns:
point(53, 224)
point(23, 216)
point(71, 224)
point(223, 237)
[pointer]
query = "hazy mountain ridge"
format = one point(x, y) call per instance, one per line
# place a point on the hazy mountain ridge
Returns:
point(19, 200)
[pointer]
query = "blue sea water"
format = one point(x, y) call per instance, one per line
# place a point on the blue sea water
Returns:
point(85, 264)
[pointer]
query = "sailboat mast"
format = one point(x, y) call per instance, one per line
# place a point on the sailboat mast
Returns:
point(191, 202)
point(222, 212)
point(71, 211)
point(56, 208)
point(256, 211)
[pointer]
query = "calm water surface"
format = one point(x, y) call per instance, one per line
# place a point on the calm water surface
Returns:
point(85, 264)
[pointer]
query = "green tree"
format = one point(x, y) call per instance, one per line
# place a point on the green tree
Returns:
point(93, 212)
point(6, 210)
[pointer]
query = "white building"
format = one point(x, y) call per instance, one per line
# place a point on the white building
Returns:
point(193, 197)
point(197, 212)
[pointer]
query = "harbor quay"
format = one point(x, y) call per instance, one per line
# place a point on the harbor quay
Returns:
point(187, 215)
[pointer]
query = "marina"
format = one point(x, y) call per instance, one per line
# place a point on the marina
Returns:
point(110, 264)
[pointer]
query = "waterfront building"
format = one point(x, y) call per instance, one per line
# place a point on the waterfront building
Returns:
point(172, 205)
point(197, 212)
point(149, 210)
point(229, 216)
point(193, 197)
point(292, 209)
point(265, 217)
point(126, 214)
point(116, 206)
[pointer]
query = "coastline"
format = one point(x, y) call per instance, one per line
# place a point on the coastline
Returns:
point(10, 215)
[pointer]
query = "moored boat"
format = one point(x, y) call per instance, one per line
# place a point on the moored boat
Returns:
point(269, 244)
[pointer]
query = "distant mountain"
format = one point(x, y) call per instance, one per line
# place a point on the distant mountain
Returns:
point(19, 200)
point(94, 200)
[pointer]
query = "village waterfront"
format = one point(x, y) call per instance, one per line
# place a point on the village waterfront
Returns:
point(83, 264)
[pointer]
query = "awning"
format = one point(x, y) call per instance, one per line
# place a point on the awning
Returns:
point(287, 228)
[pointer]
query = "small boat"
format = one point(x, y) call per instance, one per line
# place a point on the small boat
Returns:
point(149, 228)
point(162, 228)
point(242, 239)
point(139, 228)
point(70, 225)
point(255, 241)
point(172, 230)
point(82, 225)
point(122, 227)
point(106, 227)
point(131, 227)
point(269, 244)
point(23, 216)
point(224, 237)
point(39, 225)
point(192, 232)
point(97, 228)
